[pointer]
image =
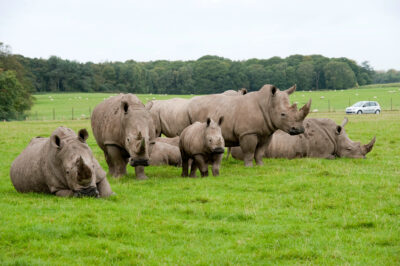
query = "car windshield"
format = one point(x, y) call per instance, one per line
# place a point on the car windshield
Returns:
point(359, 104)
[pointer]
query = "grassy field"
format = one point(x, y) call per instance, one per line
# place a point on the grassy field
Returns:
point(302, 211)
point(323, 101)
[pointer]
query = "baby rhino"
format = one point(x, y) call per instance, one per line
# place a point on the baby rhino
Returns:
point(202, 142)
point(62, 165)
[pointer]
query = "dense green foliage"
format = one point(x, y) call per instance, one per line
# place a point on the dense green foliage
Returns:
point(208, 74)
point(301, 211)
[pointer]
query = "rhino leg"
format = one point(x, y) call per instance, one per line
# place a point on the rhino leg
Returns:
point(216, 164)
point(185, 164)
point(248, 143)
point(260, 150)
point(104, 188)
point(202, 164)
point(116, 161)
point(139, 172)
point(193, 168)
point(65, 193)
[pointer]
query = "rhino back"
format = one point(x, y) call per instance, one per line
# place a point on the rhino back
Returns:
point(172, 114)
point(27, 169)
point(242, 115)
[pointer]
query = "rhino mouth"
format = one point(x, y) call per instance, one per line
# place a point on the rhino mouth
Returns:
point(139, 162)
point(218, 150)
point(296, 131)
point(87, 192)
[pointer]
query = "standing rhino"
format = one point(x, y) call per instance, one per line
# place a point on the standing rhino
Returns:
point(322, 138)
point(163, 153)
point(123, 129)
point(202, 142)
point(62, 165)
point(251, 119)
point(170, 117)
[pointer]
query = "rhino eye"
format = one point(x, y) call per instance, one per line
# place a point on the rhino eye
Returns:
point(67, 172)
point(283, 114)
point(128, 139)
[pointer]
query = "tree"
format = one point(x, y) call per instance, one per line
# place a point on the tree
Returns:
point(14, 98)
point(339, 75)
point(305, 75)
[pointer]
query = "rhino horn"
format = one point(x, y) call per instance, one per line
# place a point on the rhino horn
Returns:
point(344, 122)
point(368, 147)
point(305, 109)
point(139, 136)
point(142, 146)
point(291, 89)
point(84, 171)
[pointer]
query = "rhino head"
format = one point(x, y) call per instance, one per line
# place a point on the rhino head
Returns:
point(76, 162)
point(137, 132)
point(348, 148)
point(213, 136)
point(284, 116)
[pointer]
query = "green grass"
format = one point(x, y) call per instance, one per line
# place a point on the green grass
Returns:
point(323, 101)
point(302, 211)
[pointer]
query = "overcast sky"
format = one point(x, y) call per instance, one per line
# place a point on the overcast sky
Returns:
point(114, 30)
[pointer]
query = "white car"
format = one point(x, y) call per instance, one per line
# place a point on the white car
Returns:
point(364, 107)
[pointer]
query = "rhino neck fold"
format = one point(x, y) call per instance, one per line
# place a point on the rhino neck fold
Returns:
point(267, 118)
point(331, 138)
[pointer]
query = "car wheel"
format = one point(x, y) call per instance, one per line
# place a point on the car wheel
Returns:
point(359, 112)
point(377, 112)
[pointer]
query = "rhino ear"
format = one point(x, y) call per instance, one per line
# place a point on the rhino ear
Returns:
point(125, 106)
point(273, 90)
point(221, 119)
point(83, 135)
point(243, 91)
point(338, 130)
point(56, 141)
point(208, 121)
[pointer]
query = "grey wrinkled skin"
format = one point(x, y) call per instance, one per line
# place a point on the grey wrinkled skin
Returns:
point(170, 117)
point(242, 91)
point(204, 144)
point(163, 153)
point(62, 165)
point(123, 129)
point(322, 138)
point(170, 141)
point(251, 119)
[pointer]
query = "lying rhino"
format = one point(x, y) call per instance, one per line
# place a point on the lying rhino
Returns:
point(62, 165)
point(322, 138)
point(202, 142)
point(251, 119)
point(123, 129)
point(163, 153)
point(170, 141)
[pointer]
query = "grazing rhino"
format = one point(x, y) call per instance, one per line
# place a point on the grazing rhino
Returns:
point(242, 91)
point(204, 144)
point(251, 119)
point(123, 129)
point(163, 153)
point(63, 165)
point(322, 138)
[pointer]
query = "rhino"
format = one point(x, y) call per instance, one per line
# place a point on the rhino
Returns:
point(163, 153)
point(242, 91)
point(322, 138)
point(170, 141)
point(170, 117)
point(251, 119)
point(204, 144)
point(123, 129)
point(62, 164)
